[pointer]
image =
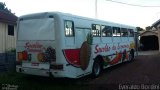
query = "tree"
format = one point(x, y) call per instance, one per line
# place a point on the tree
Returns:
point(139, 29)
point(148, 28)
point(4, 8)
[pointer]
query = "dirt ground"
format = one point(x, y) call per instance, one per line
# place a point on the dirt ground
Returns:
point(142, 73)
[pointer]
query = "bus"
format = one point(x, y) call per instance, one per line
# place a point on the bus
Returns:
point(64, 45)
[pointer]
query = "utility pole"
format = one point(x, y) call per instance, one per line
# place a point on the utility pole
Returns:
point(96, 15)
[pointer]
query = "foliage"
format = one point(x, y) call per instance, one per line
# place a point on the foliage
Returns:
point(139, 29)
point(148, 28)
point(4, 8)
point(12, 50)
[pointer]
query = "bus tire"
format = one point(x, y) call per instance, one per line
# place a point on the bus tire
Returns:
point(97, 69)
point(131, 55)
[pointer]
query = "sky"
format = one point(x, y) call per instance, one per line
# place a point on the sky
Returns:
point(106, 10)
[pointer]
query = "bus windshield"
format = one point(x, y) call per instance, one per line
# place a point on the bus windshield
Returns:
point(36, 29)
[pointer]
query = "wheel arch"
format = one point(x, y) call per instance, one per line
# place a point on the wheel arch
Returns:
point(99, 58)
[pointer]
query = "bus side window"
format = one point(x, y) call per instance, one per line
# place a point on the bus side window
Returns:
point(131, 32)
point(69, 28)
point(116, 32)
point(106, 31)
point(124, 32)
point(96, 31)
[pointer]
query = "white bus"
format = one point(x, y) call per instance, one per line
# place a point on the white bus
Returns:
point(64, 45)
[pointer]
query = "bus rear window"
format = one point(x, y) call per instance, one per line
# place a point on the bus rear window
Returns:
point(36, 29)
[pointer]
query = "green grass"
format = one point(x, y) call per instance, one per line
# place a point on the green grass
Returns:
point(28, 82)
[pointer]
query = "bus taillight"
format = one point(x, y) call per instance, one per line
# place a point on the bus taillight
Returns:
point(22, 55)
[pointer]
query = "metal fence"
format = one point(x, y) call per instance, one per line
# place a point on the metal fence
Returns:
point(7, 62)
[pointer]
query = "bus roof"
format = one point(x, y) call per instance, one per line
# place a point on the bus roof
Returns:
point(51, 14)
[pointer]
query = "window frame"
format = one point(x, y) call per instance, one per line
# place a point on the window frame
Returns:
point(11, 30)
point(117, 29)
point(72, 29)
point(107, 29)
point(122, 31)
point(96, 31)
point(131, 31)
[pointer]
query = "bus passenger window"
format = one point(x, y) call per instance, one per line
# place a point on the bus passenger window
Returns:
point(69, 28)
point(116, 32)
point(106, 31)
point(124, 32)
point(96, 30)
point(131, 32)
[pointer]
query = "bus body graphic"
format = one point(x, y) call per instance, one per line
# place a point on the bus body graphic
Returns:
point(64, 45)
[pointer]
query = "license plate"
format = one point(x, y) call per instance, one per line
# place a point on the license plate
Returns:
point(34, 64)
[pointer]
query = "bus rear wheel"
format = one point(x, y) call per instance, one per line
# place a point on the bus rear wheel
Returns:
point(97, 69)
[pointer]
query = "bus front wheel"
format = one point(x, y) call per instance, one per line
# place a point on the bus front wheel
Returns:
point(131, 55)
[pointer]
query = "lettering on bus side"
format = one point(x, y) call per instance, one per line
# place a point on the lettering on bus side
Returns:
point(106, 48)
point(101, 49)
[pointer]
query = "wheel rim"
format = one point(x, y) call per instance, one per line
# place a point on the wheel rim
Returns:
point(96, 69)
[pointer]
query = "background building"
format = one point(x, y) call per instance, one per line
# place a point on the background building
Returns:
point(157, 26)
point(150, 39)
point(7, 31)
point(7, 39)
